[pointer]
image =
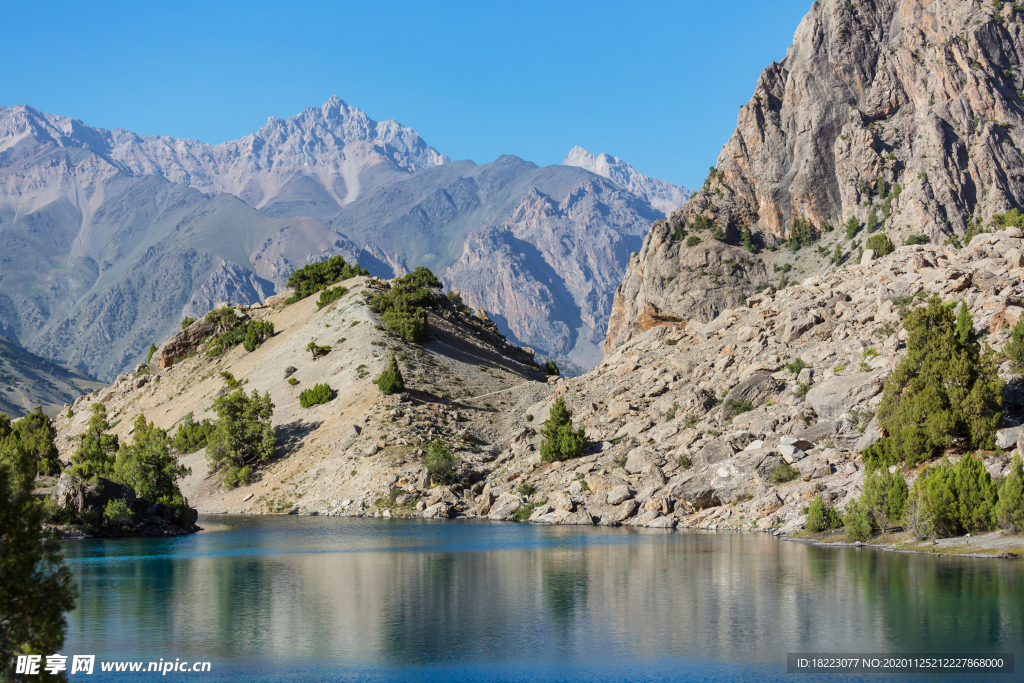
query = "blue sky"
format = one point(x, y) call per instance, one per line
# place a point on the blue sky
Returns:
point(656, 83)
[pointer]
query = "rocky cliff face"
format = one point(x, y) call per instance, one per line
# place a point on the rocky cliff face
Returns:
point(909, 110)
point(663, 196)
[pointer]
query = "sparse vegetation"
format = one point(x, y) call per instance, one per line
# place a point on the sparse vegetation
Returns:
point(317, 350)
point(192, 435)
point(187, 323)
point(329, 296)
point(821, 516)
point(560, 441)
point(880, 243)
point(796, 366)
point(390, 381)
point(783, 472)
point(403, 307)
point(243, 438)
point(320, 393)
point(441, 463)
point(551, 367)
point(316, 276)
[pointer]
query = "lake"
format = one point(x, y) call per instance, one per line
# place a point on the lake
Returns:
point(338, 599)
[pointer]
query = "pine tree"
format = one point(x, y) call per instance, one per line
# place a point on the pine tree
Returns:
point(560, 441)
point(1010, 509)
point(36, 589)
point(390, 381)
point(943, 389)
point(95, 456)
point(964, 325)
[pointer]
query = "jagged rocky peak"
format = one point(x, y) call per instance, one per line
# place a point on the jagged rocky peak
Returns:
point(663, 196)
point(901, 115)
point(875, 96)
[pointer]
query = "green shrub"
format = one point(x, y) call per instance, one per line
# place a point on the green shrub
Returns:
point(949, 500)
point(34, 434)
point(747, 239)
point(192, 435)
point(441, 463)
point(684, 461)
point(149, 466)
point(670, 414)
point(292, 381)
point(692, 241)
point(149, 357)
point(943, 389)
point(97, 449)
point(872, 223)
point(852, 227)
point(1014, 348)
point(422, 277)
point(187, 323)
point(256, 332)
point(560, 441)
point(917, 239)
point(455, 298)
point(802, 234)
point(526, 489)
point(796, 366)
point(403, 307)
point(320, 393)
point(857, 522)
point(885, 498)
point(244, 436)
point(317, 350)
point(551, 367)
point(783, 472)
point(1011, 218)
point(734, 407)
point(328, 296)
point(1009, 510)
point(390, 381)
point(821, 516)
point(230, 380)
point(880, 243)
point(316, 276)
point(529, 418)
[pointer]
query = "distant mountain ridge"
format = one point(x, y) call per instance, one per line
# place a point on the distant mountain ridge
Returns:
point(663, 196)
point(117, 236)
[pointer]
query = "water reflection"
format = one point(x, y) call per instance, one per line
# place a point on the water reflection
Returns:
point(364, 594)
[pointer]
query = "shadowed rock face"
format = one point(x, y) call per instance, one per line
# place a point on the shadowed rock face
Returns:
point(870, 96)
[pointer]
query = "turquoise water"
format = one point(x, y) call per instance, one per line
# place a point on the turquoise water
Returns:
point(338, 599)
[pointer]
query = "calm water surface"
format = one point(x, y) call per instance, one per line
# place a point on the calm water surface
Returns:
point(329, 599)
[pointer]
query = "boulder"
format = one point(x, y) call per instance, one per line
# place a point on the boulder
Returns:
point(714, 451)
point(484, 503)
point(663, 523)
point(504, 507)
point(796, 442)
point(83, 496)
point(619, 513)
point(638, 459)
point(600, 483)
point(183, 342)
point(696, 491)
point(562, 501)
point(653, 477)
point(619, 495)
point(755, 390)
point(838, 395)
point(791, 454)
point(1007, 438)
point(579, 517)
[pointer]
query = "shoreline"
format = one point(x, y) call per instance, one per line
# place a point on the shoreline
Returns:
point(987, 541)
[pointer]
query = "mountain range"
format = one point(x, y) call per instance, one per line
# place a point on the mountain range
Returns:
point(111, 238)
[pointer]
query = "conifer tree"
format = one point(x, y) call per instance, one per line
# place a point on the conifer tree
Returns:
point(560, 441)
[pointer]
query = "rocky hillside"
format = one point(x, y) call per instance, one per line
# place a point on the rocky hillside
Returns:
point(464, 384)
point(686, 422)
point(28, 382)
point(663, 196)
point(902, 116)
point(122, 235)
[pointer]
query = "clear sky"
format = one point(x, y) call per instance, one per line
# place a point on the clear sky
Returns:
point(656, 83)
